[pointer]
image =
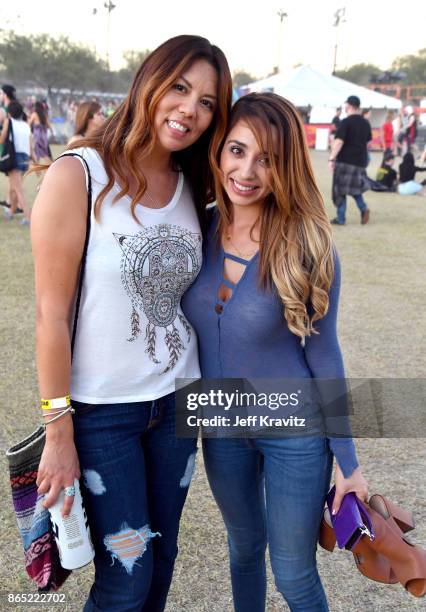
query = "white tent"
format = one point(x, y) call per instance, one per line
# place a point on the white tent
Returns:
point(304, 86)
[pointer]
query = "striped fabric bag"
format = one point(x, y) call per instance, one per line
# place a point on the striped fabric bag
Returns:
point(40, 548)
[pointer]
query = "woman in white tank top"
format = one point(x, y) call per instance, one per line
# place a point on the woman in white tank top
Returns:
point(150, 181)
point(16, 121)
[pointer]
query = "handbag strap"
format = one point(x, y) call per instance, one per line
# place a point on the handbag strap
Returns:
point(86, 244)
point(10, 136)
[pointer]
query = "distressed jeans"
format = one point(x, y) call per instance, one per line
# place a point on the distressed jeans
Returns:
point(271, 491)
point(135, 479)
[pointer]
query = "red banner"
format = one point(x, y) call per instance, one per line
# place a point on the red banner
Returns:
point(311, 130)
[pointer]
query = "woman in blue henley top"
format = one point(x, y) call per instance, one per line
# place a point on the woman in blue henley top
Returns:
point(264, 307)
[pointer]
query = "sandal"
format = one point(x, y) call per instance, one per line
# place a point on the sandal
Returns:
point(369, 562)
point(408, 560)
point(389, 558)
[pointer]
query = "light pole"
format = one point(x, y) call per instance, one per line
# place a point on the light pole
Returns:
point(109, 7)
point(94, 13)
point(282, 15)
point(339, 17)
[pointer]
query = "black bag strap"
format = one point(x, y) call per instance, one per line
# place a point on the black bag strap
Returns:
point(86, 244)
point(10, 136)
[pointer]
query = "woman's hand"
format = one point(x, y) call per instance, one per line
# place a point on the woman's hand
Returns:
point(59, 465)
point(356, 483)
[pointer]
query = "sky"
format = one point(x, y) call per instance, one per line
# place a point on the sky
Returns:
point(249, 33)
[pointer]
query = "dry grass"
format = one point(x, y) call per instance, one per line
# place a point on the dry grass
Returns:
point(382, 322)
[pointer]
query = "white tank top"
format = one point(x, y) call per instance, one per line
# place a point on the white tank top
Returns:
point(21, 135)
point(133, 339)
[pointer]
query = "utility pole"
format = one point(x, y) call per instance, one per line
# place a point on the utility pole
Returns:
point(282, 15)
point(339, 17)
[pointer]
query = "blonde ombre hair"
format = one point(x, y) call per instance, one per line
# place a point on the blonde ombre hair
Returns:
point(296, 246)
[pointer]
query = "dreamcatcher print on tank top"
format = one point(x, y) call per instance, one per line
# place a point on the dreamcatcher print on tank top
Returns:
point(158, 264)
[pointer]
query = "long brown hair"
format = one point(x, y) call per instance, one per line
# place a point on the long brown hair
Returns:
point(128, 135)
point(85, 112)
point(296, 247)
point(40, 110)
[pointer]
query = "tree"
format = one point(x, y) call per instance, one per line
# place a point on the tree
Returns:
point(241, 77)
point(17, 57)
point(414, 67)
point(51, 63)
point(359, 73)
point(133, 59)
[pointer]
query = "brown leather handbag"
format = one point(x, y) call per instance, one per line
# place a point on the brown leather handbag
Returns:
point(388, 557)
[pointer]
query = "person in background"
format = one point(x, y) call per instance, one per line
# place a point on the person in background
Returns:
point(71, 112)
point(40, 126)
point(23, 151)
point(30, 105)
point(110, 108)
point(386, 175)
point(411, 129)
point(88, 119)
point(366, 113)
point(348, 160)
point(398, 135)
point(407, 173)
point(335, 122)
point(7, 95)
point(387, 134)
point(422, 158)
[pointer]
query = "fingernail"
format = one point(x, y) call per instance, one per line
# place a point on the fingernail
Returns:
point(333, 512)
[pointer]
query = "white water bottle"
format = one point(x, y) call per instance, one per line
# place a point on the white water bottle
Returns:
point(72, 532)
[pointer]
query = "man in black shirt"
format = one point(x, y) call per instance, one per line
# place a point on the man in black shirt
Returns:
point(335, 122)
point(348, 160)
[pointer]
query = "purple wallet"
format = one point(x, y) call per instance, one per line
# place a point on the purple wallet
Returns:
point(351, 522)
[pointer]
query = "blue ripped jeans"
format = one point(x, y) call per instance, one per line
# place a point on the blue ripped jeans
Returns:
point(135, 478)
point(271, 491)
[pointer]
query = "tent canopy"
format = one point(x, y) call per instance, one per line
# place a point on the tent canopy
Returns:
point(304, 86)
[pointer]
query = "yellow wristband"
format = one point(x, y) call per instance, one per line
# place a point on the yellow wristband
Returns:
point(57, 402)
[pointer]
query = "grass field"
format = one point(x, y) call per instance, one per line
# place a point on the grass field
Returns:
point(382, 328)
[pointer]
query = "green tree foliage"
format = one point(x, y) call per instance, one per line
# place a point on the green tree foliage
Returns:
point(58, 63)
point(359, 73)
point(413, 65)
point(241, 77)
point(48, 62)
point(132, 59)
